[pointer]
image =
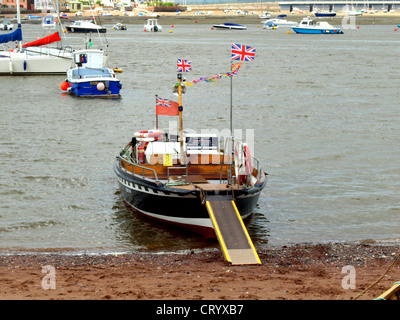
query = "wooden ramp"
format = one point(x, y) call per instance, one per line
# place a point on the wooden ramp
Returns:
point(231, 232)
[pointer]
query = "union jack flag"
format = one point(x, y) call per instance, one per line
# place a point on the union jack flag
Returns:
point(243, 53)
point(184, 65)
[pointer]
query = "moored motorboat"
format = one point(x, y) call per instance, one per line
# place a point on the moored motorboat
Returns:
point(325, 14)
point(279, 21)
point(6, 24)
point(152, 26)
point(229, 26)
point(89, 78)
point(310, 26)
point(119, 26)
point(85, 26)
point(170, 177)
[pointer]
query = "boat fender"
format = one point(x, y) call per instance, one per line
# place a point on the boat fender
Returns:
point(64, 85)
point(148, 133)
point(247, 159)
point(25, 65)
point(140, 153)
point(100, 86)
point(10, 67)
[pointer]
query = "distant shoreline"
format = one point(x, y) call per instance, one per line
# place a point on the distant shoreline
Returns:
point(216, 19)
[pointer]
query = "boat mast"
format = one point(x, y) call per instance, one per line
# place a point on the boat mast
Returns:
point(19, 23)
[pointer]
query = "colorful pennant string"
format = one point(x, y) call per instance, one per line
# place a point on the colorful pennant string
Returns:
point(235, 70)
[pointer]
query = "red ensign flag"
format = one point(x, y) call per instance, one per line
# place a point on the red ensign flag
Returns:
point(165, 107)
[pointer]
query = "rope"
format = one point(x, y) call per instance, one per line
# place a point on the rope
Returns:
point(202, 194)
point(387, 270)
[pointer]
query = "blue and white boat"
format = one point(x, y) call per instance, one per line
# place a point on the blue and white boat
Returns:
point(229, 26)
point(309, 26)
point(89, 78)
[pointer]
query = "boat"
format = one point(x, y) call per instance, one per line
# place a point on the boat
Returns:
point(325, 14)
point(172, 177)
point(85, 26)
point(265, 15)
point(229, 26)
point(279, 21)
point(119, 26)
point(49, 22)
point(33, 17)
point(152, 26)
point(89, 78)
point(33, 58)
point(309, 26)
point(6, 24)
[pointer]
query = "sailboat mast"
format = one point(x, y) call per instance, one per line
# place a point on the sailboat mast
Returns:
point(19, 23)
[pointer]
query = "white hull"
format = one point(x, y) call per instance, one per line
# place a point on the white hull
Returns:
point(12, 63)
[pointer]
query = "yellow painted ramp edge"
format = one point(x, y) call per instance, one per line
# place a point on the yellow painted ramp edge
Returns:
point(247, 234)
point(218, 232)
point(221, 239)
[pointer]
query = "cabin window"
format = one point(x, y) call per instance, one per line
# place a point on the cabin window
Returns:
point(202, 143)
point(81, 58)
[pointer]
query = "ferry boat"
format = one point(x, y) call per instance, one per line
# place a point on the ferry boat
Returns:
point(325, 14)
point(89, 78)
point(171, 178)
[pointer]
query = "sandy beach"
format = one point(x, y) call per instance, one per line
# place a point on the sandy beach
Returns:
point(301, 272)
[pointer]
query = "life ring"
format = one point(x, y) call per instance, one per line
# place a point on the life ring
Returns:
point(148, 133)
point(247, 159)
point(242, 163)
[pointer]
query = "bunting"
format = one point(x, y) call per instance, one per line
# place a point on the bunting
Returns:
point(235, 70)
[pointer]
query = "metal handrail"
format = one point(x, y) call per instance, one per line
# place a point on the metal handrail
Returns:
point(137, 166)
point(173, 168)
point(258, 167)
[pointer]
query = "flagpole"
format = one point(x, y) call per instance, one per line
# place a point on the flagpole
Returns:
point(231, 98)
point(180, 109)
point(231, 128)
point(156, 113)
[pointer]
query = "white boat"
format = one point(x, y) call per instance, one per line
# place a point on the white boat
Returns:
point(152, 26)
point(265, 15)
point(6, 24)
point(85, 26)
point(310, 26)
point(279, 21)
point(229, 26)
point(119, 26)
point(49, 22)
point(33, 58)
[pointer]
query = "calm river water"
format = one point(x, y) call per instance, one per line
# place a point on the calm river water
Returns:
point(325, 110)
